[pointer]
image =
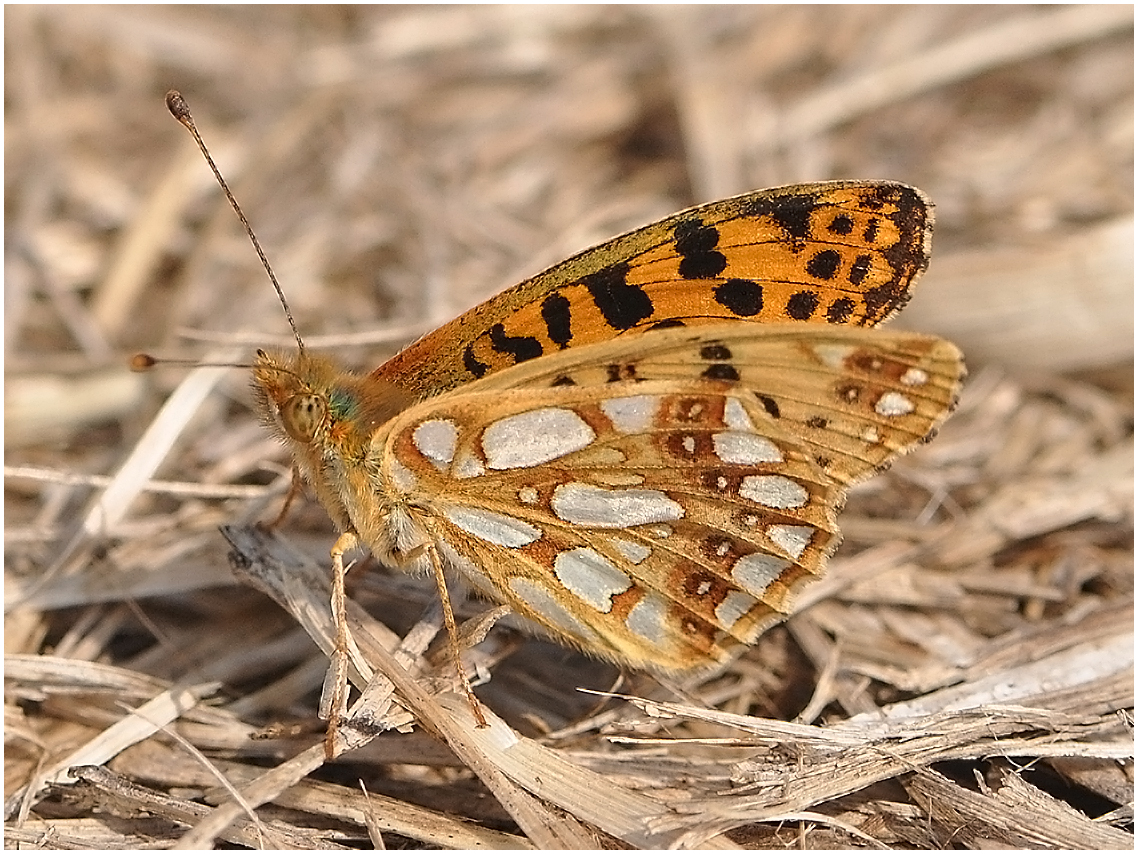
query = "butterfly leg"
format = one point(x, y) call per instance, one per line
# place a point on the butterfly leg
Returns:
point(294, 489)
point(334, 701)
point(452, 631)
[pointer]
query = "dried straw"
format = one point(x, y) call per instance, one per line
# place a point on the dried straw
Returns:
point(963, 676)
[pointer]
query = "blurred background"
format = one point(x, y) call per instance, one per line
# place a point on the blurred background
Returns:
point(402, 163)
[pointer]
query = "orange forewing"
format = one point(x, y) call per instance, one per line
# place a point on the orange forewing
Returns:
point(843, 252)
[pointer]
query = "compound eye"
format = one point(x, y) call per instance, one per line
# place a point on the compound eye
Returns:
point(302, 415)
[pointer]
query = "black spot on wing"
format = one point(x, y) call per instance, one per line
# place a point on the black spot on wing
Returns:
point(622, 305)
point(696, 242)
point(841, 224)
point(521, 347)
point(860, 269)
point(472, 364)
point(802, 305)
point(741, 297)
point(824, 265)
point(790, 213)
point(720, 354)
point(555, 311)
point(840, 311)
point(714, 352)
point(770, 405)
point(721, 371)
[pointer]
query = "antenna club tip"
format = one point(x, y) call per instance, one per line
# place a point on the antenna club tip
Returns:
point(177, 106)
point(180, 110)
point(141, 362)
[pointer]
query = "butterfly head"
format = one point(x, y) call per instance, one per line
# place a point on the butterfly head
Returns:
point(311, 401)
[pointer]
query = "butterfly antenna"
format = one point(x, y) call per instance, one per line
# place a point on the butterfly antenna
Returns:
point(140, 363)
point(180, 110)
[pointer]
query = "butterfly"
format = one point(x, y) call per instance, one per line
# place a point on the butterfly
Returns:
point(641, 451)
point(615, 449)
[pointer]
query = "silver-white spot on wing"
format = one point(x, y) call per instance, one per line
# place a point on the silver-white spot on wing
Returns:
point(493, 527)
point(633, 414)
point(584, 504)
point(774, 490)
point(466, 465)
point(755, 572)
point(734, 606)
point(893, 403)
point(534, 437)
point(833, 355)
point(914, 376)
point(402, 478)
point(590, 577)
point(648, 618)
point(792, 539)
point(436, 440)
point(631, 551)
point(736, 417)
point(745, 448)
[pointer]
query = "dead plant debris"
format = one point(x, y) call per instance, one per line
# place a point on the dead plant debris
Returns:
point(963, 676)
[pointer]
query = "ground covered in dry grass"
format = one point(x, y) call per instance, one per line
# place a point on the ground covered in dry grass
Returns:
point(962, 677)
